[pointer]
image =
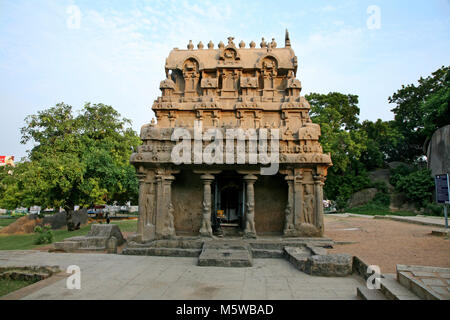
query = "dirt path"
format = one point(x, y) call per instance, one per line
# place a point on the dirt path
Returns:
point(387, 243)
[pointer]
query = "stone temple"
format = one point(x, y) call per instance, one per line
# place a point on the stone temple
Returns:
point(209, 92)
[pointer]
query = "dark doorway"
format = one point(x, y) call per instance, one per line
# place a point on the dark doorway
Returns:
point(229, 199)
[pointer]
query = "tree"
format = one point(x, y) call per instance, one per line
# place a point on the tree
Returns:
point(421, 109)
point(384, 144)
point(76, 160)
point(337, 115)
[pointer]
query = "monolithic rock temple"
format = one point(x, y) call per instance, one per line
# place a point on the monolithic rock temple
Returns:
point(237, 89)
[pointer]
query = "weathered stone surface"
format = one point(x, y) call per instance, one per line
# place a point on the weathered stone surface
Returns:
point(297, 256)
point(362, 197)
point(221, 254)
point(97, 239)
point(67, 246)
point(220, 90)
point(332, 265)
point(58, 220)
point(438, 151)
point(107, 231)
point(111, 245)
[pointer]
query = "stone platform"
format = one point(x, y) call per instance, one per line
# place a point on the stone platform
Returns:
point(226, 254)
point(101, 237)
point(306, 254)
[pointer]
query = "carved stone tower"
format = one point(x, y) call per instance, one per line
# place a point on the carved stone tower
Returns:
point(231, 88)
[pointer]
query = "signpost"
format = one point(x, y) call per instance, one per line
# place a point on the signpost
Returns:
point(443, 193)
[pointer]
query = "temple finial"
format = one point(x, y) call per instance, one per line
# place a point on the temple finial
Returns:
point(287, 41)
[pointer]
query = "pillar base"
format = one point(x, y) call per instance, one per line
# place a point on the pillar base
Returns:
point(250, 235)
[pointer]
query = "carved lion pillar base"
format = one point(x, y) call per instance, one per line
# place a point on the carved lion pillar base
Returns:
point(206, 229)
point(318, 194)
point(250, 231)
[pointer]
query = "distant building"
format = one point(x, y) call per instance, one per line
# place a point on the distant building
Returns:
point(7, 160)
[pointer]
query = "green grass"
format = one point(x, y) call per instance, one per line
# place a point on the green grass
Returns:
point(7, 221)
point(7, 286)
point(26, 241)
point(377, 210)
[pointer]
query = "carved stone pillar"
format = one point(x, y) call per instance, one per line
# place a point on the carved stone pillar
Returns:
point(289, 229)
point(141, 202)
point(250, 231)
point(298, 198)
point(164, 208)
point(318, 195)
point(146, 224)
point(206, 230)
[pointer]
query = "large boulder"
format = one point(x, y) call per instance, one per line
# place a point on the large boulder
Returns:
point(438, 151)
point(59, 219)
point(362, 197)
point(380, 175)
point(106, 231)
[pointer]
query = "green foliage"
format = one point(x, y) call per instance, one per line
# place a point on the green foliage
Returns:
point(382, 199)
point(380, 185)
point(378, 210)
point(434, 209)
point(421, 109)
point(340, 187)
point(417, 186)
point(337, 115)
point(400, 172)
point(384, 144)
point(76, 160)
point(45, 234)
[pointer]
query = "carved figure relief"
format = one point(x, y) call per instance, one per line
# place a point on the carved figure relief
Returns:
point(308, 205)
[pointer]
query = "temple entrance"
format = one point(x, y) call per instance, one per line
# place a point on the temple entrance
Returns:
point(229, 203)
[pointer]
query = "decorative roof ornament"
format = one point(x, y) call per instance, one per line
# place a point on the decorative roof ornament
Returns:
point(221, 45)
point(230, 42)
point(241, 44)
point(252, 44)
point(190, 46)
point(200, 45)
point(287, 41)
point(273, 44)
point(263, 43)
point(210, 45)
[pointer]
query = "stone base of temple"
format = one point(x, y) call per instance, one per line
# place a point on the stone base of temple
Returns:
point(306, 254)
point(261, 247)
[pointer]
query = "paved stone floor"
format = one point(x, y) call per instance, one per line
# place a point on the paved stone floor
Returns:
point(106, 276)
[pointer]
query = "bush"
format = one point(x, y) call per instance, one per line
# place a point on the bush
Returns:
point(417, 186)
point(434, 209)
point(45, 234)
point(399, 172)
point(382, 199)
point(341, 187)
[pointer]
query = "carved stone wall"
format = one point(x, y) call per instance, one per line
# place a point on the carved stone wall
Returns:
point(231, 87)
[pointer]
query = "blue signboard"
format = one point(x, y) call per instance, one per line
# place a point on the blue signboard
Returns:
point(442, 188)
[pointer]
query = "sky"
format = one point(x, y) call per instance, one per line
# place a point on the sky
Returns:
point(113, 51)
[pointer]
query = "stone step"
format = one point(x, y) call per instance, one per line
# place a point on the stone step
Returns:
point(92, 249)
point(393, 290)
point(180, 244)
point(267, 253)
point(297, 256)
point(366, 294)
point(226, 254)
point(166, 252)
point(415, 286)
